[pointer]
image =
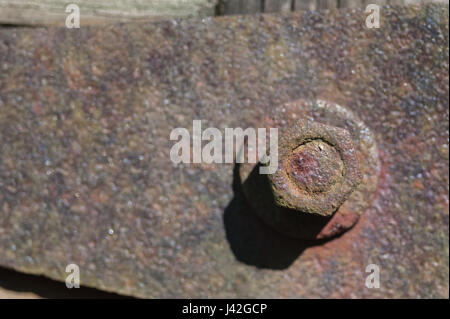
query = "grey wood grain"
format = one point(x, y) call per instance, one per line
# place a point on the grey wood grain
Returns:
point(277, 5)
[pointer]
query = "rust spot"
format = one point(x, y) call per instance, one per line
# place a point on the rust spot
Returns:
point(318, 168)
point(338, 224)
point(315, 166)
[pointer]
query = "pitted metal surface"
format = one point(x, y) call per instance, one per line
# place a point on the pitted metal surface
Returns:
point(86, 176)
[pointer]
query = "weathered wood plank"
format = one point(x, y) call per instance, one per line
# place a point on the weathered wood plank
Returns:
point(241, 6)
point(350, 3)
point(277, 5)
point(396, 2)
point(379, 2)
point(51, 12)
point(305, 5)
point(326, 4)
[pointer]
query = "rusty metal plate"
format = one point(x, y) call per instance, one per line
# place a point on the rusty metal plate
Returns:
point(86, 177)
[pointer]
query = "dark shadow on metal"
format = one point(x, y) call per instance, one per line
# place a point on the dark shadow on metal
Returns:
point(255, 243)
point(15, 26)
point(48, 288)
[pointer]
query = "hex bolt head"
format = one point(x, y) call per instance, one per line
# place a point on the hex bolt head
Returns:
point(318, 168)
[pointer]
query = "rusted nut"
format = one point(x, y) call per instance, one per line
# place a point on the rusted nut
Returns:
point(318, 169)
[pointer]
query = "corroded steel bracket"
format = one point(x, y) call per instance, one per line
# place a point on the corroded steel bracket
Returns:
point(86, 175)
